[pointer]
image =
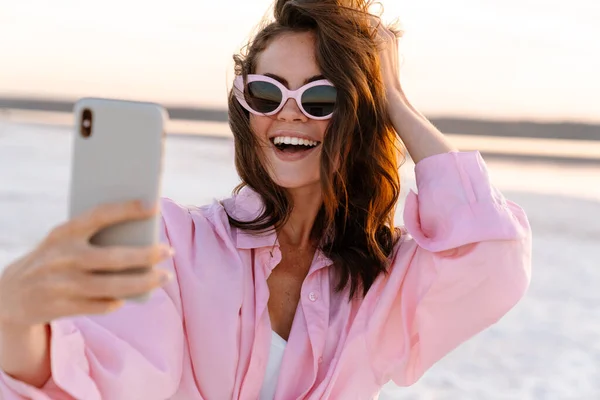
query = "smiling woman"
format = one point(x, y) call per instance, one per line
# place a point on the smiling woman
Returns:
point(298, 286)
point(322, 141)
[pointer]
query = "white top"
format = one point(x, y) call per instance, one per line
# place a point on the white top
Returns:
point(267, 392)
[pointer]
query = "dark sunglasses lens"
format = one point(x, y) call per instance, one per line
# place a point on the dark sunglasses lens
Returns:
point(319, 101)
point(263, 97)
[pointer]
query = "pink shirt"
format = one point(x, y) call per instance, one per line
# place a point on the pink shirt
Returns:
point(464, 262)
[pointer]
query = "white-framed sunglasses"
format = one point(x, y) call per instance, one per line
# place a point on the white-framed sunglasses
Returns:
point(263, 95)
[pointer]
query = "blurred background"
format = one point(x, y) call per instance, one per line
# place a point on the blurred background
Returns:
point(516, 80)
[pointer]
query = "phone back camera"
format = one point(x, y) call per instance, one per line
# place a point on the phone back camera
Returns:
point(85, 129)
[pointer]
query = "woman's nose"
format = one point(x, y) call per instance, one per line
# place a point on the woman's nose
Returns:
point(291, 112)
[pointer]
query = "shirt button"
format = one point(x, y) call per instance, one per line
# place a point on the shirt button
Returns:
point(320, 360)
point(312, 296)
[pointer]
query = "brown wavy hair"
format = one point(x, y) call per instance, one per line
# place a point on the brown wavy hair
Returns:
point(360, 150)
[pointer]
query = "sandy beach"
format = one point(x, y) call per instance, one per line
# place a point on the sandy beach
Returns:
point(546, 348)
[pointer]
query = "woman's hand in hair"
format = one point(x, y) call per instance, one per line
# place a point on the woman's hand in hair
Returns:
point(420, 137)
point(387, 39)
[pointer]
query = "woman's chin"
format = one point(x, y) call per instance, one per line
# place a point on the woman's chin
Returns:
point(295, 174)
point(295, 181)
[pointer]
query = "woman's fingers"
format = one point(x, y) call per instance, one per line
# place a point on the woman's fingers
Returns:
point(66, 275)
point(118, 258)
point(100, 217)
point(90, 285)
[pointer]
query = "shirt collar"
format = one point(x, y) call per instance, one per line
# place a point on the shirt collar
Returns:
point(246, 206)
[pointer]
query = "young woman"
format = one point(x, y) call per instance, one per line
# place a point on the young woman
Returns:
point(298, 286)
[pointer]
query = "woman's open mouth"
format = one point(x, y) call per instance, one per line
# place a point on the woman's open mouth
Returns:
point(293, 148)
point(293, 144)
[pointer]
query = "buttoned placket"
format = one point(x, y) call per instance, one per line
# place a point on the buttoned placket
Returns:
point(315, 306)
point(264, 258)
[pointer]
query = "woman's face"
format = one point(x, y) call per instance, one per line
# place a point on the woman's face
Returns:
point(290, 57)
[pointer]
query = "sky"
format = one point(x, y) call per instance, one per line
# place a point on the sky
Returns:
point(509, 59)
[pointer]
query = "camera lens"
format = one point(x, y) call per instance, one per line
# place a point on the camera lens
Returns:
point(86, 123)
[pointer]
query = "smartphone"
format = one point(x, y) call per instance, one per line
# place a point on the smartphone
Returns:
point(117, 156)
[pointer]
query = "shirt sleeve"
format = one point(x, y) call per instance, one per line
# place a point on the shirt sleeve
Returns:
point(135, 352)
point(467, 265)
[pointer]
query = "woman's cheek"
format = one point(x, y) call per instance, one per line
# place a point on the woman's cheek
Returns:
point(260, 125)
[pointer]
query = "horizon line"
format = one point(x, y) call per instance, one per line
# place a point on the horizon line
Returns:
point(559, 129)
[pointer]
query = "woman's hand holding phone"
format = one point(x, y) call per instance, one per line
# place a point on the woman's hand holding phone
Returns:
point(61, 276)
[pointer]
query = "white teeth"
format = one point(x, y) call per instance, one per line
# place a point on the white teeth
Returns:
point(294, 141)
